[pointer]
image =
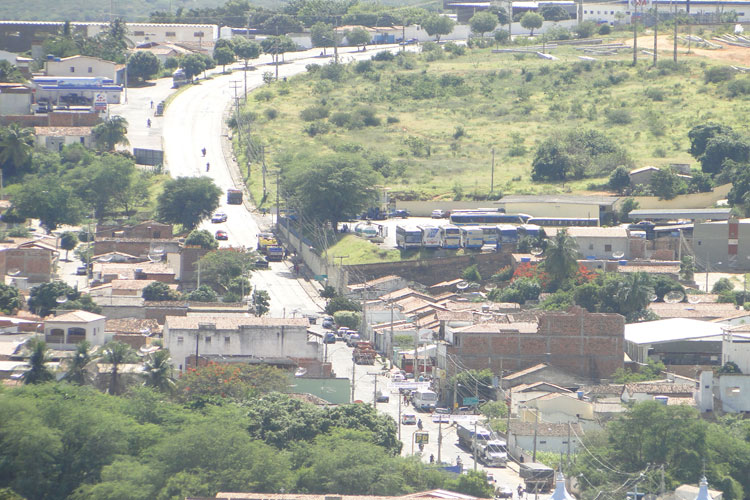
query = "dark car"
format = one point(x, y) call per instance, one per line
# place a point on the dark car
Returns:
point(81, 271)
point(329, 338)
point(383, 397)
point(222, 235)
point(395, 214)
point(261, 264)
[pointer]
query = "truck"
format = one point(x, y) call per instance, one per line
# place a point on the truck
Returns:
point(274, 253)
point(537, 477)
point(266, 240)
point(234, 197)
point(363, 353)
point(424, 400)
point(490, 450)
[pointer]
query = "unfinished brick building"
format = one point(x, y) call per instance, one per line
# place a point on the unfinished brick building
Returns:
point(586, 344)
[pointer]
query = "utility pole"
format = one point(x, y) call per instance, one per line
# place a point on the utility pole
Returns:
point(415, 365)
point(335, 41)
point(197, 339)
point(455, 390)
point(263, 169)
point(674, 12)
point(390, 334)
point(354, 366)
point(635, 32)
point(492, 172)
point(399, 418)
point(656, 29)
point(474, 446)
point(235, 85)
point(278, 188)
point(690, 27)
point(567, 466)
point(536, 427)
point(440, 439)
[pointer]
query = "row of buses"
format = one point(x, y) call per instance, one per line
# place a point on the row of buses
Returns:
point(493, 217)
point(452, 236)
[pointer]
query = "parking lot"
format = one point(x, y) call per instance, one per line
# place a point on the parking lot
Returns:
point(389, 227)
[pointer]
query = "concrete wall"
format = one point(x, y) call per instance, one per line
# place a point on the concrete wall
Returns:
point(734, 392)
point(695, 200)
point(12, 103)
point(36, 264)
point(555, 444)
point(713, 242)
point(597, 247)
point(144, 230)
point(82, 66)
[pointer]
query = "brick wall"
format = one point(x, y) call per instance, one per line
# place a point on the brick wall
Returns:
point(579, 342)
point(36, 264)
point(430, 272)
point(73, 119)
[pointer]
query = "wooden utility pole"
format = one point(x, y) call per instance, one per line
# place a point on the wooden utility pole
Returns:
point(656, 30)
point(492, 173)
point(536, 427)
point(634, 22)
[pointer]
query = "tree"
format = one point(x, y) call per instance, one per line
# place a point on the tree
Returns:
point(341, 304)
point(222, 266)
point(68, 241)
point(628, 205)
point(722, 285)
point(471, 273)
point(532, 21)
point(322, 35)
point(700, 182)
point(77, 372)
point(117, 354)
point(84, 302)
point(202, 238)
point(666, 184)
point(281, 24)
point(11, 299)
point(561, 258)
point(261, 302)
point(203, 293)
point(619, 180)
point(278, 46)
point(554, 13)
point(9, 73)
point(721, 148)
point(577, 154)
point(687, 269)
point(330, 188)
point(143, 65)
point(188, 200)
point(157, 371)
point(502, 36)
point(700, 134)
point(585, 29)
point(246, 49)
point(349, 319)
point(111, 132)
point(223, 56)
point(738, 195)
point(358, 36)
point(192, 65)
point(482, 22)
point(634, 296)
point(159, 291)
point(44, 298)
point(437, 25)
point(47, 199)
point(16, 146)
point(38, 372)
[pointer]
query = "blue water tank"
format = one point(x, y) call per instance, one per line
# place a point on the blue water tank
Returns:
point(623, 262)
point(525, 259)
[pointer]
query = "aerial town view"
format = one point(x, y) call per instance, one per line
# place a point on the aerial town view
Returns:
point(374, 249)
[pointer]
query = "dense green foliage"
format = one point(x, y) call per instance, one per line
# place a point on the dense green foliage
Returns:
point(349, 319)
point(220, 267)
point(47, 297)
point(202, 238)
point(159, 291)
point(188, 200)
point(342, 304)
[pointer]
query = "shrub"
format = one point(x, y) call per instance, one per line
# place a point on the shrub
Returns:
point(366, 116)
point(340, 118)
point(348, 319)
point(383, 55)
point(471, 273)
point(559, 33)
point(363, 66)
point(722, 285)
point(392, 119)
point(270, 113)
point(738, 87)
point(263, 95)
point(454, 48)
point(459, 132)
point(312, 113)
point(341, 304)
point(654, 93)
point(317, 127)
point(312, 68)
point(503, 274)
point(618, 116)
point(605, 29)
point(717, 74)
point(202, 294)
point(332, 72)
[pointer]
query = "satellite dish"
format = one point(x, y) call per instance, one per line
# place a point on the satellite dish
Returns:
point(62, 299)
point(14, 271)
point(674, 297)
point(462, 285)
point(536, 251)
point(618, 255)
point(652, 297)
point(301, 372)
point(105, 258)
point(693, 298)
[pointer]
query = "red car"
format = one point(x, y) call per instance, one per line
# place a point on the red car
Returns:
point(221, 235)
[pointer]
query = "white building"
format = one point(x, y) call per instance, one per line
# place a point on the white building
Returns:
point(598, 242)
point(728, 392)
point(55, 138)
point(622, 12)
point(85, 66)
point(549, 437)
point(270, 339)
point(67, 330)
point(156, 32)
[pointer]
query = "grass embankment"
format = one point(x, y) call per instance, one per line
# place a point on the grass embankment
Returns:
point(351, 250)
point(440, 116)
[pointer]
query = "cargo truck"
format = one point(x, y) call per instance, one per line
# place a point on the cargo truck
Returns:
point(266, 240)
point(274, 253)
point(234, 197)
point(490, 450)
point(537, 477)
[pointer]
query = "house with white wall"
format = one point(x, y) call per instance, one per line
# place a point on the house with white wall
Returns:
point(549, 437)
point(85, 66)
point(68, 329)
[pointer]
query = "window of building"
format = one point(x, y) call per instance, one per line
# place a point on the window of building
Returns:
point(227, 340)
point(72, 69)
point(208, 339)
point(198, 34)
point(180, 340)
point(607, 248)
point(171, 34)
point(82, 140)
point(157, 234)
point(598, 12)
point(91, 70)
point(139, 33)
point(613, 12)
point(627, 13)
point(591, 246)
point(733, 391)
point(542, 442)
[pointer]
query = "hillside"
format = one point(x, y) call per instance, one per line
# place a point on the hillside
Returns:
point(428, 122)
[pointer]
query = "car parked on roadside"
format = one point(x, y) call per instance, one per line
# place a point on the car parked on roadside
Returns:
point(261, 263)
point(352, 339)
point(383, 397)
point(408, 419)
point(503, 491)
point(329, 338)
point(328, 323)
point(398, 214)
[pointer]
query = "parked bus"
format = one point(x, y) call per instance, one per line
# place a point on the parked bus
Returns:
point(179, 79)
point(366, 230)
point(475, 217)
point(529, 230)
point(424, 400)
point(489, 235)
point(430, 236)
point(507, 233)
point(408, 237)
point(450, 237)
point(472, 237)
point(565, 221)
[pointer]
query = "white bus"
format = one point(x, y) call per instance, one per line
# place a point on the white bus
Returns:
point(424, 400)
point(472, 237)
point(408, 237)
point(489, 234)
point(430, 236)
point(450, 236)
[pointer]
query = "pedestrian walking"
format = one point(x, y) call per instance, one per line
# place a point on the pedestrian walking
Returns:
point(432, 458)
point(208, 167)
point(203, 151)
point(152, 104)
point(148, 123)
point(520, 491)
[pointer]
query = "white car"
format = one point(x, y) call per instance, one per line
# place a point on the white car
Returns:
point(437, 214)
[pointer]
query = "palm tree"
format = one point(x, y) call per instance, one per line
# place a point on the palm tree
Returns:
point(38, 372)
point(16, 145)
point(157, 370)
point(561, 257)
point(634, 295)
point(77, 370)
point(110, 133)
point(116, 354)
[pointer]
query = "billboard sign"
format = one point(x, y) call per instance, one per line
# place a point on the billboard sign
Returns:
point(100, 102)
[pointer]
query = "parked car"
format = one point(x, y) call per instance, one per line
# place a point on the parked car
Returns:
point(396, 214)
point(383, 397)
point(328, 323)
point(219, 217)
point(437, 214)
point(408, 419)
point(398, 377)
point(503, 491)
point(222, 235)
point(329, 338)
point(352, 339)
point(81, 271)
point(261, 263)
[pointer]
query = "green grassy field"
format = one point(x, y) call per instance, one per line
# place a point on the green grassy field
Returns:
point(463, 107)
